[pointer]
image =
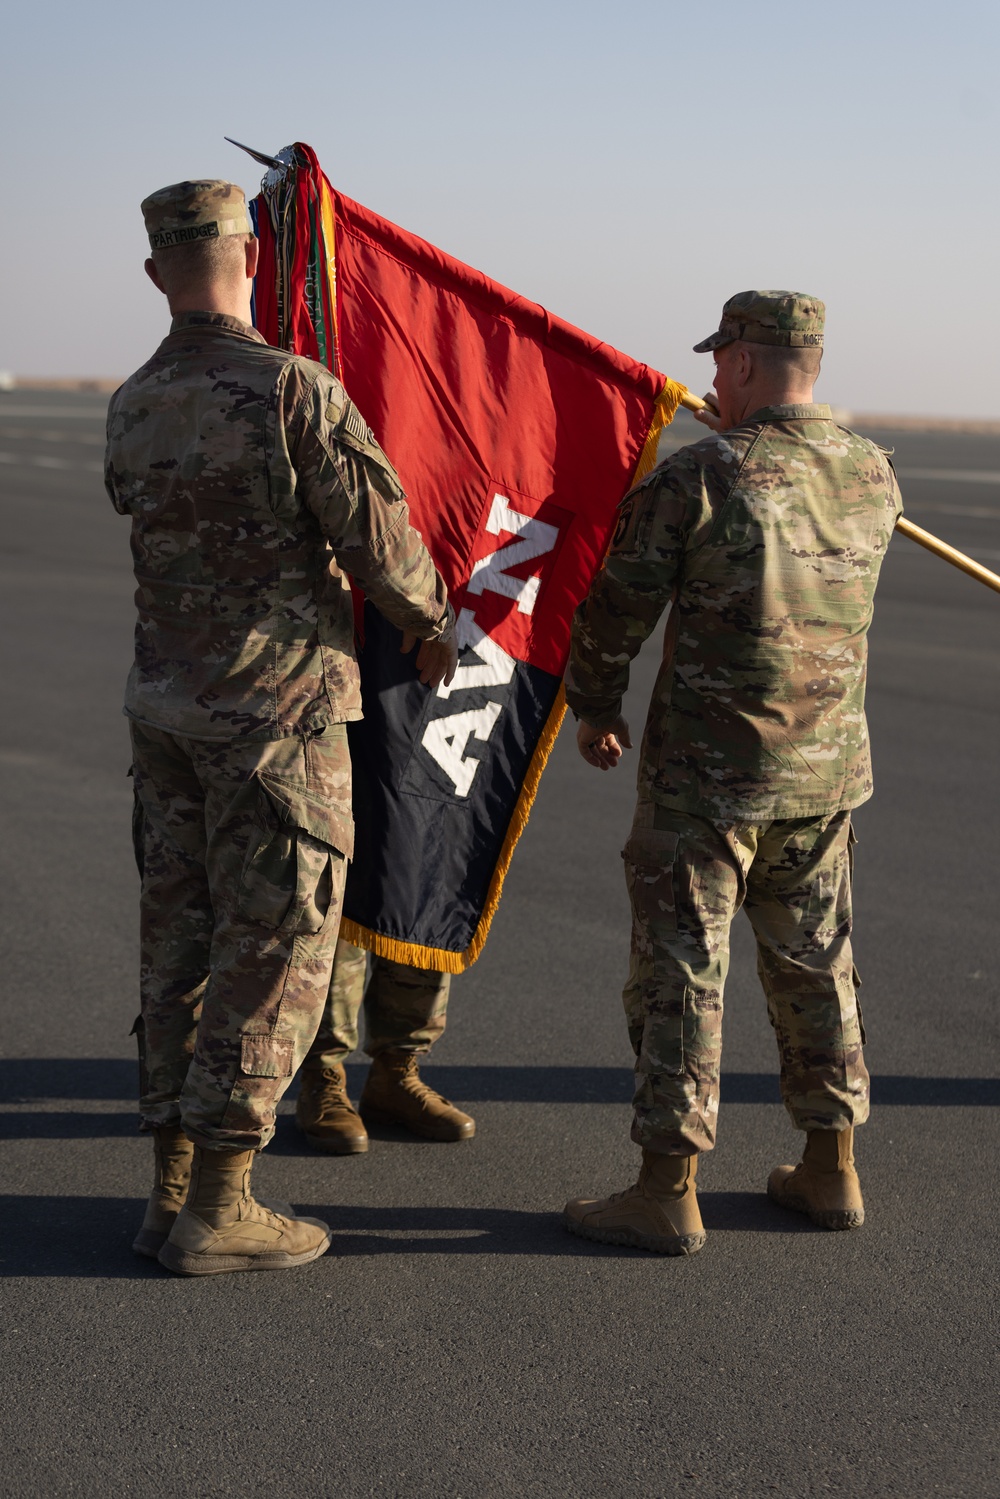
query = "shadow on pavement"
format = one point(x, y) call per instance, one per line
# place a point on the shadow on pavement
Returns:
point(64, 1124)
point(24, 1080)
point(368, 1230)
point(90, 1237)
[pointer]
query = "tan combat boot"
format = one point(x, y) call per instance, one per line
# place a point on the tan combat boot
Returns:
point(660, 1212)
point(172, 1150)
point(825, 1185)
point(324, 1113)
point(222, 1228)
point(394, 1094)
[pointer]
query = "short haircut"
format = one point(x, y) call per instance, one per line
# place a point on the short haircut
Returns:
point(201, 261)
point(778, 360)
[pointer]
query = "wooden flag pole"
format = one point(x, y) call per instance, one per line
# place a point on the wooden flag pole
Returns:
point(950, 554)
point(906, 528)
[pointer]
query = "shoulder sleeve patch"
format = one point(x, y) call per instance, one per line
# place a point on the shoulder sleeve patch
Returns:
point(355, 425)
point(624, 516)
point(353, 432)
point(332, 393)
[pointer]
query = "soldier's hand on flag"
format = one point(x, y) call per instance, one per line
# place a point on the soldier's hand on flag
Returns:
point(602, 748)
point(709, 416)
point(437, 660)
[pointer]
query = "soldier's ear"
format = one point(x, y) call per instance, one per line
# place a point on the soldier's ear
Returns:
point(154, 276)
point(253, 252)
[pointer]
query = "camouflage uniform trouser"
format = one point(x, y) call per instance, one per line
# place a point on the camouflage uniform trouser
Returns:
point(239, 846)
point(687, 877)
point(404, 1007)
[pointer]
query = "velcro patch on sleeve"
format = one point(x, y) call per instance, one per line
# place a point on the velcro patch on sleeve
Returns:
point(354, 425)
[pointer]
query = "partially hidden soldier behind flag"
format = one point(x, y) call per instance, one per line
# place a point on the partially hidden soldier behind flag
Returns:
point(765, 542)
point(254, 486)
point(405, 1011)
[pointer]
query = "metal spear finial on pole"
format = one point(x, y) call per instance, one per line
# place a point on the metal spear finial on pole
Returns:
point(906, 528)
point(277, 166)
point(265, 161)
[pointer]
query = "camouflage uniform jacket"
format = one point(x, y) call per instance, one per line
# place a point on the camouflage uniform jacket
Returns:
point(767, 540)
point(254, 485)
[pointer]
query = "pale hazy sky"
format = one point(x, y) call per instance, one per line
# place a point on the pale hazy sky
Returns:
point(627, 165)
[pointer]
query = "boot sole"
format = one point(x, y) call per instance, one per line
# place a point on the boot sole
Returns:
point(834, 1218)
point(357, 1146)
point(377, 1116)
point(183, 1263)
point(628, 1238)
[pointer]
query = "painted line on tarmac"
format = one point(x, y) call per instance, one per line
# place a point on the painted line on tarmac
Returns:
point(45, 462)
point(104, 581)
point(971, 512)
point(95, 414)
point(978, 554)
point(39, 434)
point(923, 650)
point(952, 475)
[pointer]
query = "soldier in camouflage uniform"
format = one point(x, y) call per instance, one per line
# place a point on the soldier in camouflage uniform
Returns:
point(405, 1013)
point(764, 542)
point(253, 486)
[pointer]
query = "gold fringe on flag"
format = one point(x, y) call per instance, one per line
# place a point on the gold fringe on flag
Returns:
point(670, 397)
point(457, 962)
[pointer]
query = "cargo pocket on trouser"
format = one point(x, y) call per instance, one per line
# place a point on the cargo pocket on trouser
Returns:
point(265, 1070)
point(856, 980)
point(649, 857)
point(290, 890)
point(861, 1013)
point(673, 998)
point(138, 827)
point(288, 881)
point(266, 1056)
point(654, 994)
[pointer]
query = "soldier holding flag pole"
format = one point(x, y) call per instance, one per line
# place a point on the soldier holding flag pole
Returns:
point(765, 542)
point(253, 485)
point(223, 442)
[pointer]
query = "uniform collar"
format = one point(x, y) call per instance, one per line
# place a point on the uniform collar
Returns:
point(791, 413)
point(219, 320)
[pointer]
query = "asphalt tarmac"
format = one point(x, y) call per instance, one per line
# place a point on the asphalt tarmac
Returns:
point(456, 1342)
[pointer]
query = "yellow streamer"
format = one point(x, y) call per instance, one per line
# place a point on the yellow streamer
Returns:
point(327, 222)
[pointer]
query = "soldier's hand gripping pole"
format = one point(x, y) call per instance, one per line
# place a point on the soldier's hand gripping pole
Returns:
point(904, 527)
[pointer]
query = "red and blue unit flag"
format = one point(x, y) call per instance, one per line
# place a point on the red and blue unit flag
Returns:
point(515, 436)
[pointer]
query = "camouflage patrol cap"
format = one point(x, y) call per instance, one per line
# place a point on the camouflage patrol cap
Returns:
point(789, 318)
point(189, 211)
